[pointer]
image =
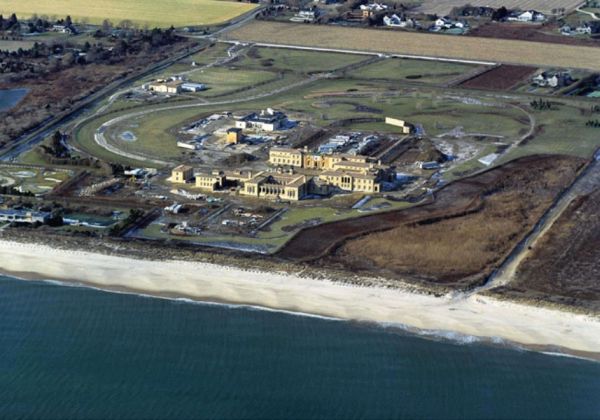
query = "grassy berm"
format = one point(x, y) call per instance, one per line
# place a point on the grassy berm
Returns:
point(564, 266)
point(457, 240)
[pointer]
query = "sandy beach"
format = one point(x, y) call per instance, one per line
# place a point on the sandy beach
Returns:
point(478, 316)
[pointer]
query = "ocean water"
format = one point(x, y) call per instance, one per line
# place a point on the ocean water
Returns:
point(11, 97)
point(69, 352)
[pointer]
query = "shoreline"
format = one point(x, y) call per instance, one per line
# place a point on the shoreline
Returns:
point(483, 317)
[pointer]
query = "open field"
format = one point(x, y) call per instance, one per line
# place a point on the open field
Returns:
point(417, 44)
point(563, 266)
point(459, 238)
point(400, 69)
point(547, 33)
point(221, 80)
point(297, 61)
point(561, 130)
point(443, 7)
point(437, 113)
point(7, 45)
point(149, 12)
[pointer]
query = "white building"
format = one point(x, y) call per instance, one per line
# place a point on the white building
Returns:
point(396, 21)
point(22, 216)
point(374, 7)
point(528, 16)
point(267, 120)
point(193, 87)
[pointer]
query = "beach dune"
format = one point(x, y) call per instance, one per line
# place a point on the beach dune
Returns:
point(478, 316)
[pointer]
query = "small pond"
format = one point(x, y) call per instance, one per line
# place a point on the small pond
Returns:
point(11, 97)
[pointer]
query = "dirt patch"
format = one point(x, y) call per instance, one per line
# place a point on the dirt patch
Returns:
point(563, 267)
point(503, 77)
point(455, 240)
point(547, 33)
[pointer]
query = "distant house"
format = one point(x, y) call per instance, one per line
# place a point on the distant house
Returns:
point(527, 16)
point(24, 216)
point(396, 21)
point(584, 29)
point(552, 79)
point(369, 10)
point(64, 29)
point(305, 16)
point(445, 23)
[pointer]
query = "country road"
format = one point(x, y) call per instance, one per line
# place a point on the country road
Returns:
point(31, 138)
point(593, 15)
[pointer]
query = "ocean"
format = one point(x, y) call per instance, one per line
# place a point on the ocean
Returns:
point(74, 352)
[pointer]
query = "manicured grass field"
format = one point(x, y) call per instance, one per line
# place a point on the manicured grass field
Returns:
point(220, 80)
point(420, 44)
point(154, 13)
point(299, 61)
point(398, 69)
point(562, 131)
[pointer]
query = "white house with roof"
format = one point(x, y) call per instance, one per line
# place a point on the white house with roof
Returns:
point(396, 21)
point(528, 16)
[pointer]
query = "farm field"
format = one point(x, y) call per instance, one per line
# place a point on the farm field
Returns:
point(416, 44)
point(548, 33)
point(444, 7)
point(153, 13)
point(503, 78)
point(400, 69)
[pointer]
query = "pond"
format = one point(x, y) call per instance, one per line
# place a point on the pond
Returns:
point(11, 97)
point(127, 136)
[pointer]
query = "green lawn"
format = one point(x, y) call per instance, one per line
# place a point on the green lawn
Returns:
point(298, 61)
point(221, 80)
point(402, 69)
point(562, 131)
